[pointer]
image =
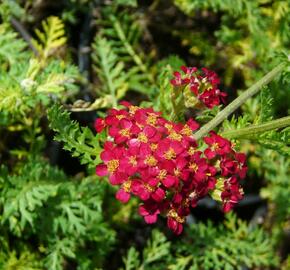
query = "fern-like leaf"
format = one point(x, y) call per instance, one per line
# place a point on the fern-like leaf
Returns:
point(51, 38)
point(226, 246)
point(80, 141)
point(11, 47)
point(25, 193)
point(109, 69)
point(158, 248)
point(123, 31)
point(58, 251)
point(131, 261)
point(26, 260)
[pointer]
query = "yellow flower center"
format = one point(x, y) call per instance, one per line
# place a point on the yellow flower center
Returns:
point(176, 172)
point(192, 195)
point(113, 165)
point(151, 119)
point(120, 116)
point(215, 146)
point(186, 202)
point(173, 214)
point(170, 154)
point(191, 150)
point(125, 132)
point(142, 137)
point(149, 188)
point(186, 130)
point(127, 186)
point(153, 146)
point(132, 160)
point(162, 174)
point(193, 166)
point(175, 136)
point(133, 109)
point(151, 161)
point(169, 127)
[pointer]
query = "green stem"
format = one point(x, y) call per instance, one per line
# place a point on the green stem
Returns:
point(255, 129)
point(222, 115)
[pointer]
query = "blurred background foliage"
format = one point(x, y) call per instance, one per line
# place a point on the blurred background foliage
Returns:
point(86, 56)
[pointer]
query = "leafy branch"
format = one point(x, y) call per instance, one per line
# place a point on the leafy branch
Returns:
point(222, 115)
point(51, 38)
point(109, 69)
point(121, 34)
point(224, 246)
point(79, 140)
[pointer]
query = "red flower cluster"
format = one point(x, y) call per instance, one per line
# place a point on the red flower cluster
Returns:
point(204, 85)
point(158, 161)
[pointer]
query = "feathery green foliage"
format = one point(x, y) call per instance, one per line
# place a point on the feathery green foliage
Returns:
point(61, 213)
point(52, 37)
point(12, 48)
point(9, 8)
point(228, 246)
point(118, 61)
point(110, 71)
point(164, 94)
point(79, 140)
point(24, 83)
point(25, 261)
point(276, 169)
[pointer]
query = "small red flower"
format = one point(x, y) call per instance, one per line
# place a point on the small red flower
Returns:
point(211, 77)
point(123, 131)
point(149, 211)
point(175, 221)
point(217, 145)
point(232, 194)
point(212, 97)
point(115, 116)
point(241, 166)
point(100, 125)
point(123, 193)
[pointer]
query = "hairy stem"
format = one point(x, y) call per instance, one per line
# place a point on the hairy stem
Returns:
point(255, 129)
point(222, 115)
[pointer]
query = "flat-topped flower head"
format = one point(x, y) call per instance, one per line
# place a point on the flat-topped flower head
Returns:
point(202, 83)
point(160, 162)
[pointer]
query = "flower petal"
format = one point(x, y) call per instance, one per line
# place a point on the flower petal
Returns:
point(101, 170)
point(169, 181)
point(150, 219)
point(123, 196)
